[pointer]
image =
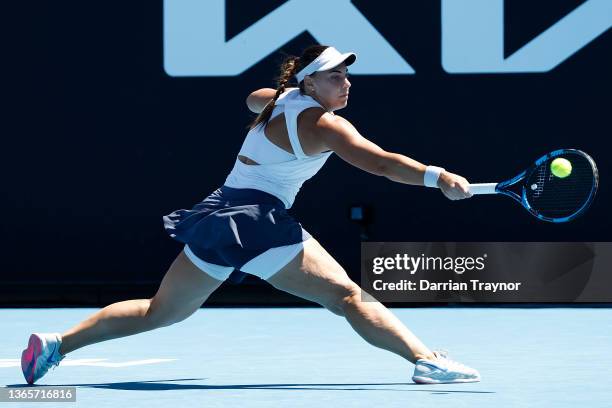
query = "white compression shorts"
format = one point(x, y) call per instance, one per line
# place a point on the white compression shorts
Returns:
point(263, 266)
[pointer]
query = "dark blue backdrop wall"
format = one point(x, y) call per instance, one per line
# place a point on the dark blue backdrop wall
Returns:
point(108, 142)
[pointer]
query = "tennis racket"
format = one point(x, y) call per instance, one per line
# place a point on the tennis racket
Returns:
point(546, 196)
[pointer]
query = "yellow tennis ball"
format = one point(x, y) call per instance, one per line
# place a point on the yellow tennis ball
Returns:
point(561, 167)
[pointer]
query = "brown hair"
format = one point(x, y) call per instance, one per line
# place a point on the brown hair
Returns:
point(290, 66)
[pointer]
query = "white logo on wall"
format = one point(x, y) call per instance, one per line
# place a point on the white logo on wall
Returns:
point(472, 37)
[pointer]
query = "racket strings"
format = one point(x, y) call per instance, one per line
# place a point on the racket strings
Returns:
point(542, 174)
point(556, 197)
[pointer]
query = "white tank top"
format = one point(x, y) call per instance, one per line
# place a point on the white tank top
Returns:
point(279, 172)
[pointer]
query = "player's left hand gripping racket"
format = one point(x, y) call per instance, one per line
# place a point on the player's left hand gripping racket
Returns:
point(546, 196)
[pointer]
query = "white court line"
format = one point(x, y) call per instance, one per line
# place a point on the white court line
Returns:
point(92, 362)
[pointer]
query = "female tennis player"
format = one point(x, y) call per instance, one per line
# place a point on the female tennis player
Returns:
point(244, 225)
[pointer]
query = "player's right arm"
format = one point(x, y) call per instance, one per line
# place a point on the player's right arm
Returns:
point(339, 135)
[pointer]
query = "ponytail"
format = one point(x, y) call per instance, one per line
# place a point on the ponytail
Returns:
point(287, 71)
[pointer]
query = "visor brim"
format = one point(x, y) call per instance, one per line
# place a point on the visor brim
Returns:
point(348, 58)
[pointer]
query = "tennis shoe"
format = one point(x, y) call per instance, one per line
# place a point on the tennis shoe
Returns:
point(443, 370)
point(41, 354)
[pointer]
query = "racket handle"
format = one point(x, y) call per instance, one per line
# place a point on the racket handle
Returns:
point(483, 188)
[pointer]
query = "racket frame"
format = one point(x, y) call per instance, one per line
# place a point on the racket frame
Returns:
point(504, 186)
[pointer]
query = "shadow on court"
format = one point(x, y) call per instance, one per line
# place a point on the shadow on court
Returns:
point(165, 385)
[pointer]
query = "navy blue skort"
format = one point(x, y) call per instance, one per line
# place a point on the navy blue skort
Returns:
point(233, 225)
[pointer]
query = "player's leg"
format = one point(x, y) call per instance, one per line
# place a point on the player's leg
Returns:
point(182, 291)
point(314, 275)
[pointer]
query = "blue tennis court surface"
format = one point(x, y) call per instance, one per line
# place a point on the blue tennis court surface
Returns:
point(309, 357)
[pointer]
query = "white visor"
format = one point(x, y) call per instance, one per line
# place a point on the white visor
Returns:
point(328, 59)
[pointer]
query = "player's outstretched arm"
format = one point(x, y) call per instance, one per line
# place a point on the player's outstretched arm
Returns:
point(339, 135)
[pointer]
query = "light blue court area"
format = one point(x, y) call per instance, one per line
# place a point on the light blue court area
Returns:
point(308, 357)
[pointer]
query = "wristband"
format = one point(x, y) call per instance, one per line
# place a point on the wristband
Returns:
point(432, 173)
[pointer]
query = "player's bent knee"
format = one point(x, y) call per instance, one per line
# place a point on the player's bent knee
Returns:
point(347, 296)
point(160, 315)
point(351, 300)
point(159, 320)
point(155, 317)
